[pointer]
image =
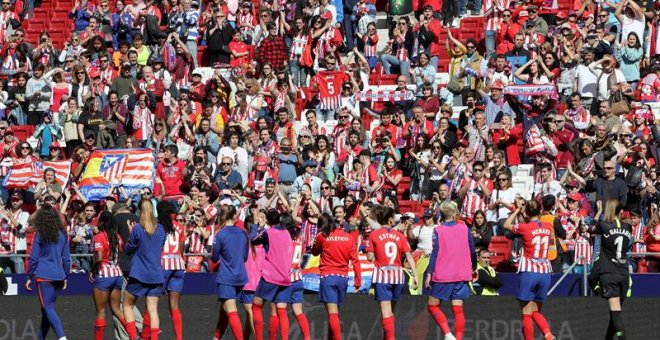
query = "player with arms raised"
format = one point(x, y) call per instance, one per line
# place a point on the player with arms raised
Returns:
point(610, 270)
point(534, 269)
point(387, 246)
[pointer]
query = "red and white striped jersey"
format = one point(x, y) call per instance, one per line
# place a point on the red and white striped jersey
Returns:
point(536, 239)
point(296, 265)
point(370, 48)
point(638, 232)
point(5, 16)
point(474, 199)
point(12, 63)
point(581, 118)
point(142, 123)
point(7, 237)
point(495, 17)
point(108, 267)
point(388, 246)
point(195, 243)
point(211, 213)
point(298, 46)
point(172, 258)
point(583, 250)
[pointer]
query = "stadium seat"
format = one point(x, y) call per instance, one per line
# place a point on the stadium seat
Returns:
point(406, 206)
point(500, 251)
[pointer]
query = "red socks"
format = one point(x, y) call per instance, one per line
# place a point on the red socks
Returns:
point(235, 324)
point(528, 327)
point(154, 333)
point(388, 328)
point(335, 326)
point(273, 325)
point(440, 318)
point(146, 326)
point(131, 330)
point(459, 321)
point(258, 318)
point(284, 322)
point(304, 326)
point(541, 322)
point(221, 326)
point(177, 323)
point(99, 329)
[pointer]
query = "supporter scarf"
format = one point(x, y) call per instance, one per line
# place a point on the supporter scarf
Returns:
point(530, 90)
point(383, 96)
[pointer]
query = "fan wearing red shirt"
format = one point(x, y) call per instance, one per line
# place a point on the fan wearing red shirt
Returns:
point(534, 270)
point(386, 247)
point(337, 248)
point(417, 126)
point(170, 172)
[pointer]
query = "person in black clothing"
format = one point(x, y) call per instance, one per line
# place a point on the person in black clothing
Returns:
point(609, 187)
point(610, 270)
point(218, 36)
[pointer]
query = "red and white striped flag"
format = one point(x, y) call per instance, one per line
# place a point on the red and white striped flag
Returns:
point(28, 175)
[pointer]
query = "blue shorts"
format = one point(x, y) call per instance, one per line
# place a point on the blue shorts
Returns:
point(533, 286)
point(447, 291)
point(245, 297)
point(173, 280)
point(387, 291)
point(141, 289)
point(227, 292)
point(297, 292)
point(108, 284)
point(332, 289)
point(272, 292)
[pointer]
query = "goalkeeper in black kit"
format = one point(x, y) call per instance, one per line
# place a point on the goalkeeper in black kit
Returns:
point(610, 270)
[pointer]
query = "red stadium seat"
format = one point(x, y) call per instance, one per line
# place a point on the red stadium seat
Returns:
point(406, 206)
point(22, 132)
point(500, 251)
point(388, 79)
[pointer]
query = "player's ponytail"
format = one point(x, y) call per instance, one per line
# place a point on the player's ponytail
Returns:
point(326, 224)
point(612, 210)
point(227, 214)
point(165, 211)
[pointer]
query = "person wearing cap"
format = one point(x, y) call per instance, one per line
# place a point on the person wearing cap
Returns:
point(420, 238)
point(494, 104)
point(160, 71)
point(125, 83)
point(13, 234)
point(8, 142)
point(538, 24)
point(46, 133)
point(309, 178)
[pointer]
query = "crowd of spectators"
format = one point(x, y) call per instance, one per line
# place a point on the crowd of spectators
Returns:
point(213, 89)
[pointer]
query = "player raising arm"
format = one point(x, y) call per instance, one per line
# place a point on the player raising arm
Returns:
point(534, 269)
point(387, 246)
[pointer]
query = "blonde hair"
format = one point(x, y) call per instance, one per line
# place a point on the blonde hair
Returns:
point(612, 210)
point(448, 210)
point(147, 219)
